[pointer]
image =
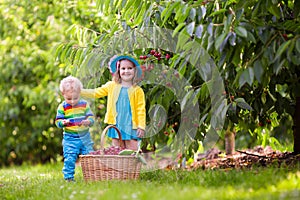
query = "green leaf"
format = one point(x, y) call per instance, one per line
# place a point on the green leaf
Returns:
point(251, 75)
point(298, 45)
point(166, 13)
point(240, 102)
point(188, 47)
point(227, 23)
point(250, 37)
point(199, 31)
point(186, 99)
point(241, 31)
point(219, 41)
point(196, 55)
point(282, 48)
point(190, 28)
point(272, 96)
point(201, 11)
point(278, 66)
point(58, 50)
point(236, 60)
point(205, 72)
point(263, 98)
point(178, 28)
point(140, 14)
point(258, 70)
point(210, 42)
point(218, 12)
point(296, 8)
point(202, 119)
point(192, 14)
point(232, 39)
point(239, 13)
point(141, 159)
point(232, 108)
point(247, 76)
point(182, 39)
point(126, 152)
point(274, 9)
point(291, 51)
point(281, 89)
point(185, 13)
point(210, 28)
point(204, 92)
point(255, 10)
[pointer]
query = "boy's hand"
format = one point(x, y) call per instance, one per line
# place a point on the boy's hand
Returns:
point(85, 122)
point(65, 122)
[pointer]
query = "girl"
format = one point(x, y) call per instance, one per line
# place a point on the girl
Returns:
point(125, 101)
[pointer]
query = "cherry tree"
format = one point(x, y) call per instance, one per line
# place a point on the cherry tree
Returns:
point(254, 45)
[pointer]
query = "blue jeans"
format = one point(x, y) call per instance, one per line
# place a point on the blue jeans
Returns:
point(73, 145)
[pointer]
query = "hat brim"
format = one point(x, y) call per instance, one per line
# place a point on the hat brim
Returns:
point(113, 64)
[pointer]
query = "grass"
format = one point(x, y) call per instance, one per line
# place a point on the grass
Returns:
point(46, 182)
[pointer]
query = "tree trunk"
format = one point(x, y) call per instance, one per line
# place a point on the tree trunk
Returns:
point(297, 127)
point(229, 142)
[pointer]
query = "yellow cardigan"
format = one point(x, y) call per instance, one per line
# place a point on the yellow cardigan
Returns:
point(112, 90)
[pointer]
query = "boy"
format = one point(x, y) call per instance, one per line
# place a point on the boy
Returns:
point(75, 117)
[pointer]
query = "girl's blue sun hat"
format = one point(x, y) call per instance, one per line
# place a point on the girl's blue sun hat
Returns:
point(114, 61)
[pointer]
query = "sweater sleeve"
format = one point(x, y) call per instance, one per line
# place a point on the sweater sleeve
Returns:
point(97, 92)
point(60, 116)
point(141, 109)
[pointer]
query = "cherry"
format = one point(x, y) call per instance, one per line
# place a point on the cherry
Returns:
point(168, 56)
point(157, 55)
point(176, 74)
point(285, 36)
point(152, 52)
point(143, 57)
point(168, 84)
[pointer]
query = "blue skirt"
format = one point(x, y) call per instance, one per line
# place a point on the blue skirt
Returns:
point(124, 118)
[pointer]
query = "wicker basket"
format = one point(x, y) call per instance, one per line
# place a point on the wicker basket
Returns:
point(109, 167)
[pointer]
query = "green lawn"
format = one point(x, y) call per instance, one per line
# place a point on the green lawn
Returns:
point(46, 182)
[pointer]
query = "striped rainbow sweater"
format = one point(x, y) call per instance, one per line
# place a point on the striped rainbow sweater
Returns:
point(75, 114)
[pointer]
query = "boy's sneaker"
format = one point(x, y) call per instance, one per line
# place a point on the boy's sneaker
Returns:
point(70, 179)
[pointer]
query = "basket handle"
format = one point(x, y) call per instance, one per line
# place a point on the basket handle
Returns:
point(105, 131)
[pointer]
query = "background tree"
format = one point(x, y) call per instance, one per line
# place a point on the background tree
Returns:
point(30, 77)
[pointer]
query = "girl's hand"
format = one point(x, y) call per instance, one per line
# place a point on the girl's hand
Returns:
point(85, 122)
point(140, 132)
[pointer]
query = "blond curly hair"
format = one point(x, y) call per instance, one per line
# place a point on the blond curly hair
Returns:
point(70, 83)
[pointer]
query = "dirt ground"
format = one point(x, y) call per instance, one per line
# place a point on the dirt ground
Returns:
point(248, 158)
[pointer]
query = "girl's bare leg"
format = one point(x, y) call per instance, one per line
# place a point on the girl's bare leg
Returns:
point(131, 144)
